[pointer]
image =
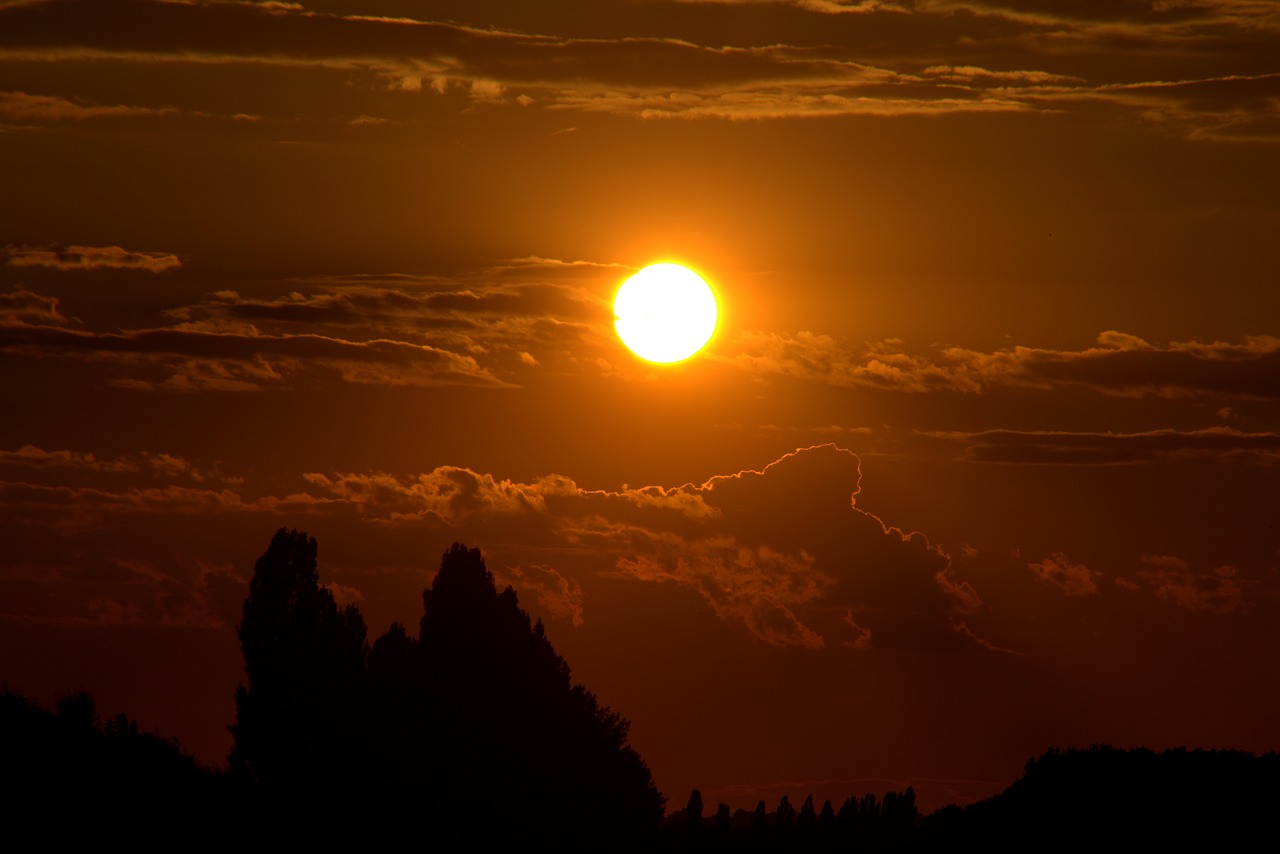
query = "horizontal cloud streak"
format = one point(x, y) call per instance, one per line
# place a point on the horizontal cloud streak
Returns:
point(90, 258)
point(21, 106)
point(1063, 448)
point(240, 361)
point(1120, 365)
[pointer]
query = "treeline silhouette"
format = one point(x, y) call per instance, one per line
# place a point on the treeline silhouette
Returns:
point(470, 736)
point(1065, 800)
point(860, 824)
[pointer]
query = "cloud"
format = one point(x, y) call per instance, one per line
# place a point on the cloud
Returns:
point(1120, 365)
point(31, 456)
point(1127, 366)
point(1003, 58)
point(1073, 579)
point(448, 495)
point(1228, 108)
point(158, 466)
point(1066, 448)
point(557, 595)
point(759, 587)
point(21, 106)
point(975, 74)
point(90, 258)
point(73, 504)
point(480, 327)
point(826, 7)
point(822, 99)
point(782, 551)
point(1075, 26)
point(1216, 592)
point(194, 359)
point(821, 358)
point(169, 592)
point(20, 308)
point(512, 316)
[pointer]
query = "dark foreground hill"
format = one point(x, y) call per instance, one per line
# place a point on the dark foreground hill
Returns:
point(1072, 800)
point(68, 776)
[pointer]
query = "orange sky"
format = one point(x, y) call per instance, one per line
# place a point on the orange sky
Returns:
point(983, 458)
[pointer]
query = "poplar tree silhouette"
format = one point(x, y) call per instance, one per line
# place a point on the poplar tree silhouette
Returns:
point(693, 811)
point(301, 716)
point(724, 819)
point(473, 730)
point(518, 731)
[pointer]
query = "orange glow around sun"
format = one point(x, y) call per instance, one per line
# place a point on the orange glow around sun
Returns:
point(665, 313)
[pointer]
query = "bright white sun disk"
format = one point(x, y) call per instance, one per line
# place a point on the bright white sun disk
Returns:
point(665, 313)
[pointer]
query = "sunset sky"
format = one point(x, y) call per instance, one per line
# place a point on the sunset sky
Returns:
point(983, 458)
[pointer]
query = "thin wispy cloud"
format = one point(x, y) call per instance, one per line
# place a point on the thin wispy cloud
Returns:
point(90, 258)
point(1120, 365)
point(1066, 448)
point(193, 360)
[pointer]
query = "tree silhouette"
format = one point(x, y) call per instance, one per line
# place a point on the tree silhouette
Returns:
point(300, 719)
point(760, 819)
point(807, 821)
point(724, 819)
point(693, 811)
point(475, 718)
point(827, 818)
point(519, 731)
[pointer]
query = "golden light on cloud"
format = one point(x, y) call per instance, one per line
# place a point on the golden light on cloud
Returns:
point(665, 313)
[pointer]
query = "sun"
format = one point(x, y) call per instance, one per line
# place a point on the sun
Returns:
point(665, 313)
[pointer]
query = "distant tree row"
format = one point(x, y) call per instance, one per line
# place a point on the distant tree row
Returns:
point(1065, 801)
point(861, 824)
